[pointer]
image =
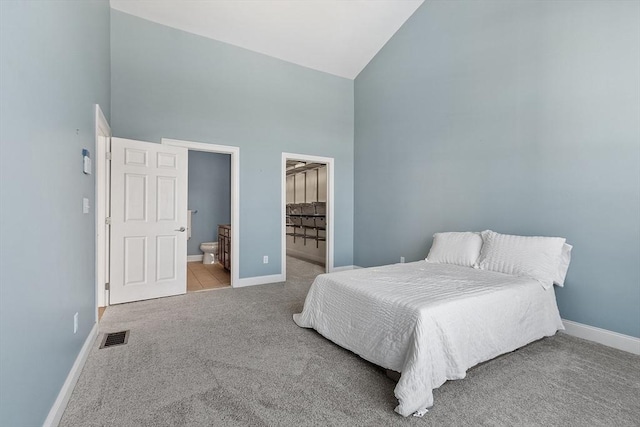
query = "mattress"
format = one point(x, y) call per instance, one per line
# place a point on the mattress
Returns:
point(430, 322)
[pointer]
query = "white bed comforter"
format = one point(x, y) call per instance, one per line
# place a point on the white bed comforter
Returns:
point(431, 322)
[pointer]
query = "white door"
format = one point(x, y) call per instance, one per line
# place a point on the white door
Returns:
point(148, 220)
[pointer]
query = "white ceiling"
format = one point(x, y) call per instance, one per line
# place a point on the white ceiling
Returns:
point(335, 36)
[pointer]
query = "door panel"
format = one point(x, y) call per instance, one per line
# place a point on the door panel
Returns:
point(135, 260)
point(166, 256)
point(166, 207)
point(135, 194)
point(148, 213)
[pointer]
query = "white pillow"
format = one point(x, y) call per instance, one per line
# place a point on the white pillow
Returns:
point(563, 265)
point(455, 248)
point(536, 257)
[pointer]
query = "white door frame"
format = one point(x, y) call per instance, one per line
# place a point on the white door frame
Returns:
point(329, 161)
point(235, 194)
point(101, 203)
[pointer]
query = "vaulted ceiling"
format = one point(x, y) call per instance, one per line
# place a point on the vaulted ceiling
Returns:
point(335, 36)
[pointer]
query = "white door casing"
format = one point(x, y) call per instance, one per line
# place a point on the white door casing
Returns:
point(148, 220)
point(234, 152)
point(103, 180)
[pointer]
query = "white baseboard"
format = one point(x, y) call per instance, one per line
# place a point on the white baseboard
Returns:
point(55, 414)
point(603, 336)
point(193, 258)
point(259, 280)
point(345, 267)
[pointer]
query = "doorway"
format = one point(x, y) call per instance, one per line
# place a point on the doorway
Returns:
point(104, 209)
point(209, 218)
point(307, 212)
point(229, 244)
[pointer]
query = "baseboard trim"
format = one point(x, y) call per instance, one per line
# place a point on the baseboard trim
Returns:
point(55, 414)
point(345, 268)
point(603, 336)
point(258, 280)
point(194, 258)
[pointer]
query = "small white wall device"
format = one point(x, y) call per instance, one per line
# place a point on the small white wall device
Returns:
point(86, 161)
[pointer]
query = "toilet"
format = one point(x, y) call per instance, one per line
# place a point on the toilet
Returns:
point(210, 250)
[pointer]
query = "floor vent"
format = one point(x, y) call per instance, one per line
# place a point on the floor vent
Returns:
point(115, 338)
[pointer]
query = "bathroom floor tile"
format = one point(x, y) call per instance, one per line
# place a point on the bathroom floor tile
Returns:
point(193, 284)
point(207, 279)
point(214, 285)
point(206, 276)
point(197, 267)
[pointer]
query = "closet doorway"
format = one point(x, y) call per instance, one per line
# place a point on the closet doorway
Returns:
point(307, 211)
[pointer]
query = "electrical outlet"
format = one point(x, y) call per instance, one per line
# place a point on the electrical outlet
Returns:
point(265, 259)
point(401, 259)
point(75, 323)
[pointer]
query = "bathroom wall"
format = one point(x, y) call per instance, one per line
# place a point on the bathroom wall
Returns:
point(54, 68)
point(210, 195)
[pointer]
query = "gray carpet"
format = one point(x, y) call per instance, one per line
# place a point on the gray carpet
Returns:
point(234, 357)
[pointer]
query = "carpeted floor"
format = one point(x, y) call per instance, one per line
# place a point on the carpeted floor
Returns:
point(234, 357)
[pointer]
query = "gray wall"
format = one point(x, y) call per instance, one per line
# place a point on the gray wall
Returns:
point(54, 59)
point(521, 117)
point(169, 83)
point(210, 195)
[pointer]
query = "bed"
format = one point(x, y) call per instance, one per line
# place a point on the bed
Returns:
point(429, 321)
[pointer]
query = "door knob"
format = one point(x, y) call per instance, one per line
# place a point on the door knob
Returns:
point(181, 229)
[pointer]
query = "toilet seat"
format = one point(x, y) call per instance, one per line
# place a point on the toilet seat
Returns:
point(208, 246)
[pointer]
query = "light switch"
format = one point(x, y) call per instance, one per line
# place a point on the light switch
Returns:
point(85, 205)
point(86, 161)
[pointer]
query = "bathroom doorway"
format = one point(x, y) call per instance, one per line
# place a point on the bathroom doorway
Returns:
point(209, 218)
point(213, 195)
point(104, 224)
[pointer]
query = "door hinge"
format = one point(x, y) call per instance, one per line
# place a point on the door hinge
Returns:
point(107, 220)
point(106, 286)
point(108, 155)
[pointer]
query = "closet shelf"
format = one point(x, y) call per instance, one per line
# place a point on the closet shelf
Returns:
point(304, 218)
point(306, 236)
point(303, 234)
point(310, 227)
